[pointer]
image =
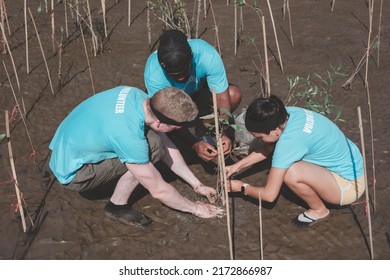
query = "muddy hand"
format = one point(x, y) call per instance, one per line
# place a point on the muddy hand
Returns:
point(204, 210)
point(208, 192)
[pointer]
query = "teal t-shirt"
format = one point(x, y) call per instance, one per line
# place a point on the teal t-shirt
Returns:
point(313, 138)
point(107, 125)
point(207, 66)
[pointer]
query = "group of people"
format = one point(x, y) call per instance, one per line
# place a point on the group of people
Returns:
point(119, 134)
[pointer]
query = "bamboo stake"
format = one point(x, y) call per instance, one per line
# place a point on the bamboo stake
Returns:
point(348, 83)
point(205, 8)
point(11, 158)
point(372, 147)
point(198, 18)
point(221, 160)
point(379, 32)
point(371, 11)
point(215, 27)
point(6, 17)
point(2, 23)
point(268, 89)
point(129, 13)
point(94, 41)
point(289, 22)
point(284, 8)
point(17, 104)
point(261, 228)
point(241, 19)
point(333, 2)
point(66, 18)
point(104, 16)
point(148, 27)
point(86, 55)
point(14, 67)
point(43, 54)
point(235, 30)
point(276, 35)
point(366, 186)
point(52, 26)
point(26, 35)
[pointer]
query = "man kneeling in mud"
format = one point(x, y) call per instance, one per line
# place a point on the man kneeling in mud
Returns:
point(120, 133)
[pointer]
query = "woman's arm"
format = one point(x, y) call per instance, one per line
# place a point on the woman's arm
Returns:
point(269, 192)
point(256, 156)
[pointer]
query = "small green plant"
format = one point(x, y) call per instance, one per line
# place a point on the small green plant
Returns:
point(315, 92)
point(173, 15)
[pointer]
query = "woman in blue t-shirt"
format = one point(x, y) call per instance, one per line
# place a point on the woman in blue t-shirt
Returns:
point(310, 154)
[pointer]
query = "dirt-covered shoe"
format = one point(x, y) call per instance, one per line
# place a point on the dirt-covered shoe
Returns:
point(127, 215)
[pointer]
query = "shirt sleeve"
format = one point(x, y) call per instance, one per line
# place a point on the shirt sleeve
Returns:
point(287, 152)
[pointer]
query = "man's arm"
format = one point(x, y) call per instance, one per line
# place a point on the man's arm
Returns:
point(177, 164)
point(148, 176)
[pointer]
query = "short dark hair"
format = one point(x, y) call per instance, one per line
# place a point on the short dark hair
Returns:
point(174, 53)
point(265, 114)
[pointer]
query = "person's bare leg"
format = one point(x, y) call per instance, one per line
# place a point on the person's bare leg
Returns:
point(123, 189)
point(235, 97)
point(313, 183)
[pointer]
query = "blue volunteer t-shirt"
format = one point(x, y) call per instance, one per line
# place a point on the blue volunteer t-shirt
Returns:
point(107, 125)
point(207, 66)
point(313, 138)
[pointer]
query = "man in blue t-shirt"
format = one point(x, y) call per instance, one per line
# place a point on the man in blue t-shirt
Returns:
point(109, 136)
point(195, 67)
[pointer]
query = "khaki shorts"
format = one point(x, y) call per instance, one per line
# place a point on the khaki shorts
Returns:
point(94, 175)
point(350, 191)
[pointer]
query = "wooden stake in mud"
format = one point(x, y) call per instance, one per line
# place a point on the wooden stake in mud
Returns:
point(379, 32)
point(276, 36)
point(215, 28)
point(43, 53)
point(129, 13)
point(235, 30)
point(53, 39)
point(289, 23)
point(268, 88)
point(372, 147)
point(222, 170)
point(86, 55)
point(11, 158)
point(261, 228)
point(104, 16)
point(371, 12)
point(148, 27)
point(94, 40)
point(66, 19)
point(366, 186)
point(17, 104)
point(198, 18)
point(14, 67)
point(26, 35)
point(332, 7)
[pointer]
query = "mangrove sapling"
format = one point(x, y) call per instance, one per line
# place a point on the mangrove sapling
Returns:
point(173, 16)
point(315, 94)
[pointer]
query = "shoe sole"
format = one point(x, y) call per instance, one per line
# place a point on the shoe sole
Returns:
point(126, 222)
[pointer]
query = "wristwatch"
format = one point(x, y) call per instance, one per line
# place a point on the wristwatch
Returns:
point(243, 188)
